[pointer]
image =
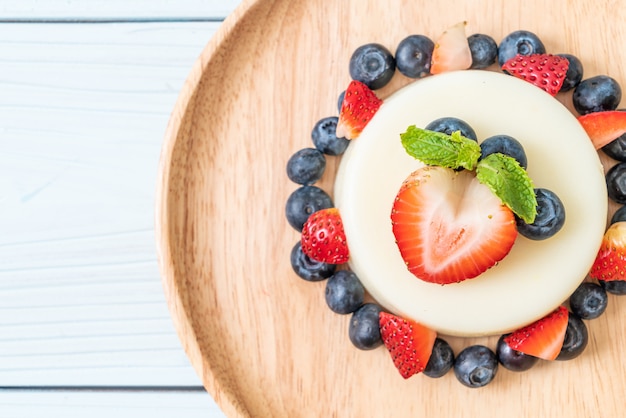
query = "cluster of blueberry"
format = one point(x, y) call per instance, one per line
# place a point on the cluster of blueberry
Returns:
point(374, 65)
point(616, 182)
point(306, 167)
point(344, 292)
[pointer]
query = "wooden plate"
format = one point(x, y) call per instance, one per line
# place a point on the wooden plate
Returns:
point(262, 340)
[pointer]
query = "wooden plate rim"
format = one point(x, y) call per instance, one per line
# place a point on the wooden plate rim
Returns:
point(174, 294)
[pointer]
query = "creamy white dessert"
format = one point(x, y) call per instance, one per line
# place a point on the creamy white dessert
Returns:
point(536, 276)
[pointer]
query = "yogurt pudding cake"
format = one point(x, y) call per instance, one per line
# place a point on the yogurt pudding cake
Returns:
point(457, 206)
point(544, 272)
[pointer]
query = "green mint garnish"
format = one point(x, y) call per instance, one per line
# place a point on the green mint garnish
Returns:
point(510, 182)
point(435, 148)
point(501, 173)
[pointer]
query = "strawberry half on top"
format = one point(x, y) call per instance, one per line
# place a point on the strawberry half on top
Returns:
point(409, 343)
point(610, 263)
point(543, 338)
point(542, 70)
point(359, 106)
point(449, 227)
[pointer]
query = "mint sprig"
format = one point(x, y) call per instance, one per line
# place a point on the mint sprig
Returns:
point(501, 173)
point(436, 148)
point(510, 182)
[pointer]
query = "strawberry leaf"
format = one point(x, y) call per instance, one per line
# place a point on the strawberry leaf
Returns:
point(436, 148)
point(510, 182)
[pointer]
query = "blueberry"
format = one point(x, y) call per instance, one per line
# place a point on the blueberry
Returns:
point(513, 360)
point(574, 72)
point(413, 56)
point(307, 268)
point(306, 166)
point(324, 136)
point(373, 65)
point(344, 292)
point(340, 100)
point(303, 202)
point(597, 94)
point(616, 149)
point(447, 125)
point(576, 338)
point(550, 217)
point(484, 50)
point(615, 287)
point(519, 42)
point(616, 183)
point(506, 145)
point(364, 330)
point(619, 215)
point(476, 366)
point(441, 359)
point(588, 301)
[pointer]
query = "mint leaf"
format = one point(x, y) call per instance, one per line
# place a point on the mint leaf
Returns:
point(436, 148)
point(510, 182)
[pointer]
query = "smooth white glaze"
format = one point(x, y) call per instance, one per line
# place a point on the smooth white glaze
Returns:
point(536, 276)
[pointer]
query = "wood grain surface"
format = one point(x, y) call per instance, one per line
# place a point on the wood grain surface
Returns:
point(262, 340)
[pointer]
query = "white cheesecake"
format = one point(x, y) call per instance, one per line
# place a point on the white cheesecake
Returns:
point(536, 276)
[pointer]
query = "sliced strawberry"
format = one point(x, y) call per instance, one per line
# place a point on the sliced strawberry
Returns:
point(604, 127)
point(543, 70)
point(448, 226)
point(543, 338)
point(610, 263)
point(323, 237)
point(359, 105)
point(409, 343)
point(452, 51)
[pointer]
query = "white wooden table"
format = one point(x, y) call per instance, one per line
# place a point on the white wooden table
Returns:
point(86, 89)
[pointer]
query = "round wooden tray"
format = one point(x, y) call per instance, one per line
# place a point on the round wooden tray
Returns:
point(262, 340)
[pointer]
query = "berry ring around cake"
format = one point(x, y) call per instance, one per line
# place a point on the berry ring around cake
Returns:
point(467, 203)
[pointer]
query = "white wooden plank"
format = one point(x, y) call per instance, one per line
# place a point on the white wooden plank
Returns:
point(83, 110)
point(115, 9)
point(97, 404)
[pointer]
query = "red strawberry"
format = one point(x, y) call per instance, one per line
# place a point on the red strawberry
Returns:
point(449, 227)
point(543, 338)
point(610, 263)
point(604, 127)
point(409, 343)
point(357, 109)
point(323, 237)
point(543, 70)
point(452, 51)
